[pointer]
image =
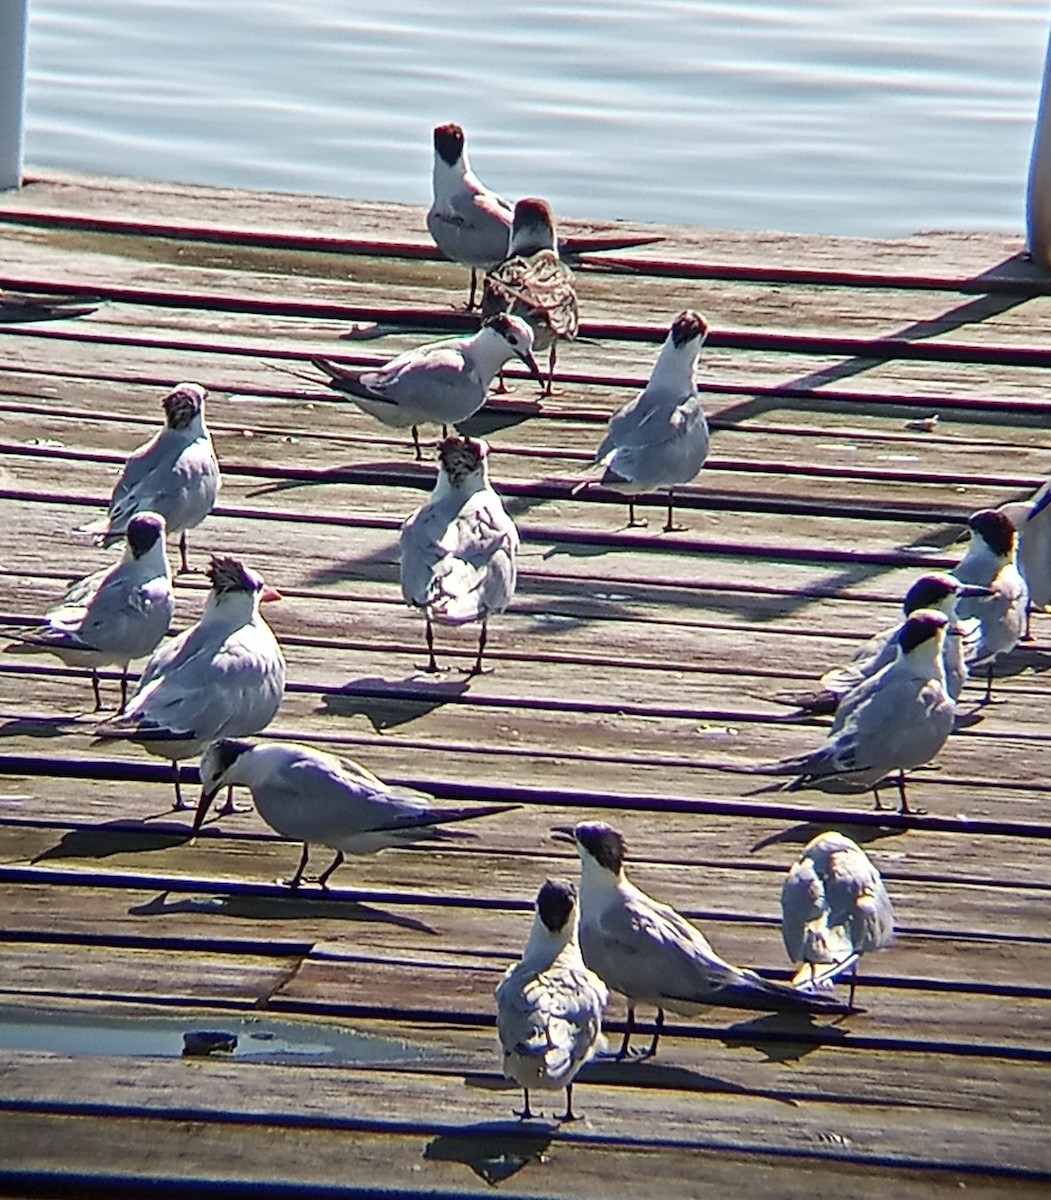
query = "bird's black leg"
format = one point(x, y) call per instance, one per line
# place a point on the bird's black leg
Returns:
point(124, 689)
point(669, 525)
point(879, 805)
point(483, 637)
point(326, 874)
point(416, 443)
point(569, 1114)
point(229, 807)
point(901, 792)
point(632, 523)
point(988, 685)
point(526, 1113)
point(853, 983)
point(179, 806)
point(658, 1025)
point(297, 878)
point(96, 689)
point(549, 386)
point(184, 565)
point(471, 303)
point(629, 1027)
point(432, 662)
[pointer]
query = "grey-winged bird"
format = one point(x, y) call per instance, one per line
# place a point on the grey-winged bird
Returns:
point(651, 954)
point(175, 474)
point(315, 798)
point(459, 550)
point(834, 908)
point(660, 439)
point(114, 615)
point(549, 1004)
point(223, 677)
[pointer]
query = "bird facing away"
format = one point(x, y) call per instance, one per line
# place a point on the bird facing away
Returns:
point(470, 224)
point(534, 283)
point(175, 474)
point(937, 591)
point(834, 907)
point(1032, 522)
point(113, 615)
point(223, 677)
point(659, 439)
point(440, 382)
point(1003, 612)
point(651, 954)
point(309, 796)
point(459, 551)
point(548, 1004)
point(894, 721)
point(40, 306)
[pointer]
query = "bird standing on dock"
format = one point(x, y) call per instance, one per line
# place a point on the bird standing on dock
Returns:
point(834, 907)
point(534, 283)
point(937, 591)
point(652, 954)
point(1003, 613)
point(469, 223)
point(313, 797)
point(223, 677)
point(1032, 522)
point(441, 382)
point(459, 551)
point(894, 721)
point(548, 1004)
point(113, 615)
point(659, 439)
point(175, 474)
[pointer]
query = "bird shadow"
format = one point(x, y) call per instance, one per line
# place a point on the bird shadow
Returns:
point(805, 833)
point(505, 413)
point(494, 1150)
point(388, 711)
point(651, 1073)
point(782, 1037)
point(113, 837)
point(293, 906)
point(42, 727)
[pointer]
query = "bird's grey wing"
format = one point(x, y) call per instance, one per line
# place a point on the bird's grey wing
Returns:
point(153, 459)
point(124, 610)
point(478, 572)
point(421, 548)
point(875, 654)
point(802, 901)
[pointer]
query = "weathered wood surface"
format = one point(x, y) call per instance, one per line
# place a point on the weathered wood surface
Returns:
point(630, 667)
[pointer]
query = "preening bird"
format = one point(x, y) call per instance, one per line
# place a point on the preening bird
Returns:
point(307, 795)
point(175, 474)
point(834, 907)
point(459, 550)
point(890, 723)
point(441, 382)
point(114, 615)
point(534, 283)
point(549, 1005)
point(660, 439)
point(651, 954)
point(223, 677)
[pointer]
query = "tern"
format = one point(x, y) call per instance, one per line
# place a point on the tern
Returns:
point(534, 283)
point(441, 382)
point(459, 550)
point(651, 954)
point(659, 439)
point(549, 1004)
point(309, 796)
point(175, 474)
point(1003, 612)
point(893, 721)
point(223, 677)
point(113, 615)
point(470, 224)
point(937, 591)
point(1032, 522)
point(834, 907)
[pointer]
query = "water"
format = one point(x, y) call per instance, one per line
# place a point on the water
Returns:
point(259, 1039)
point(871, 117)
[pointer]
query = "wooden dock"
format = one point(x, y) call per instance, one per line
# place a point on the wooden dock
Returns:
point(631, 665)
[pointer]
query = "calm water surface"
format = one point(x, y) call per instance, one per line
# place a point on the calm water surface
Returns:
point(829, 116)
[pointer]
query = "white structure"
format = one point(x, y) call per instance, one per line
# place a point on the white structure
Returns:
point(1038, 193)
point(13, 20)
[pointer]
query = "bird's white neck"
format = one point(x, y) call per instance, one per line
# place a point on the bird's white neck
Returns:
point(675, 366)
point(231, 608)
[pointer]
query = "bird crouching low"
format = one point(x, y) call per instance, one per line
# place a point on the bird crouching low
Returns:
point(459, 550)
